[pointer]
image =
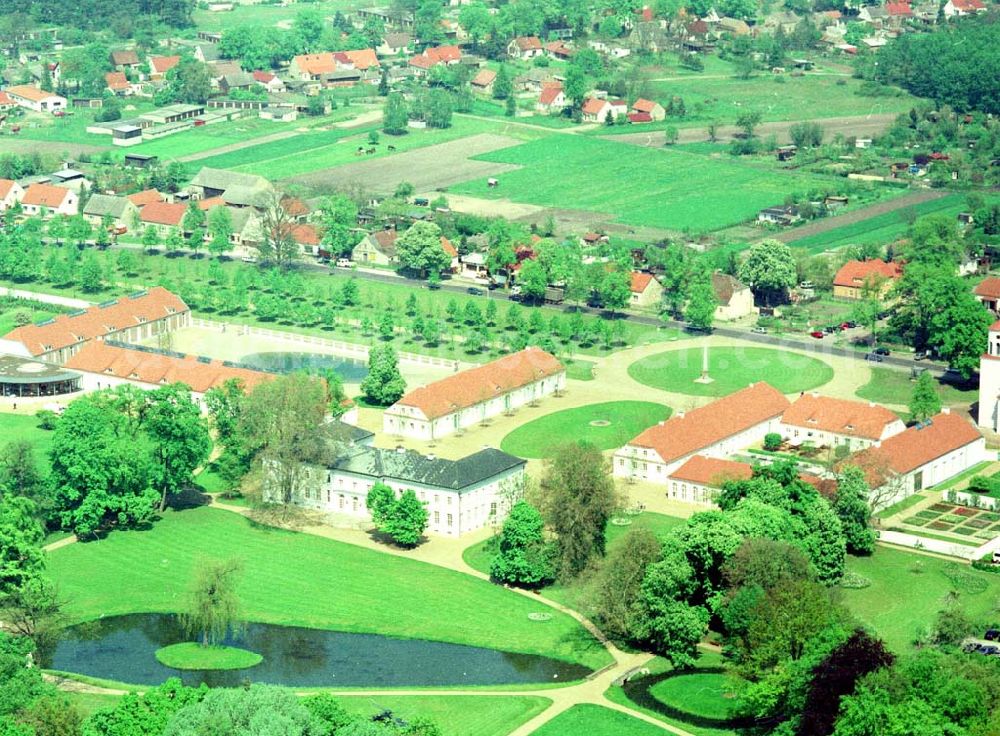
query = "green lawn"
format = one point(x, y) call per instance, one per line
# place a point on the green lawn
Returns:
point(303, 580)
point(260, 14)
point(700, 693)
point(87, 703)
point(640, 186)
point(731, 369)
point(880, 229)
point(889, 386)
point(908, 589)
point(457, 715)
point(606, 425)
point(207, 137)
point(7, 317)
point(594, 720)
point(189, 655)
point(25, 427)
point(900, 506)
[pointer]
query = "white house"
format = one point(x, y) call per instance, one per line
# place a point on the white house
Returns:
point(10, 193)
point(826, 421)
point(472, 396)
point(735, 300)
point(954, 8)
point(460, 495)
point(699, 479)
point(715, 430)
point(645, 290)
point(525, 48)
point(923, 456)
point(36, 99)
point(50, 199)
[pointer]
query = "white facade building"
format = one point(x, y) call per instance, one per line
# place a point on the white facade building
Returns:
point(827, 422)
point(989, 382)
point(472, 396)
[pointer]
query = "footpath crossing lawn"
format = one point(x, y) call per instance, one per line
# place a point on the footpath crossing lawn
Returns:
point(303, 580)
point(639, 186)
point(606, 425)
point(593, 720)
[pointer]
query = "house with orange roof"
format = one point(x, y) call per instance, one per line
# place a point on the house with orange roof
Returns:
point(6, 103)
point(132, 319)
point(960, 8)
point(646, 290)
point(925, 455)
point(160, 65)
point(49, 199)
point(987, 292)
point(165, 217)
point(363, 59)
point(118, 83)
point(312, 66)
point(475, 395)
point(483, 81)
point(33, 98)
point(551, 99)
point(109, 363)
point(825, 421)
point(559, 50)
point(433, 56)
point(700, 478)
point(718, 429)
point(855, 277)
point(269, 81)
point(655, 110)
point(10, 193)
point(146, 196)
point(525, 48)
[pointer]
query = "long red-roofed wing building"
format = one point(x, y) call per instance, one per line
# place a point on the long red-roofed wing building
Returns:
point(824, 420)
point(467, 398)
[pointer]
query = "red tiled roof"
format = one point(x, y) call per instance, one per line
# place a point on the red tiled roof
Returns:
point(484, 78)
point(444, 54)
point(206, 204)
point(917, 446)
point(640, 117)
point(362, 58)
point(448, 248)
point(683, 435)
point(146, 196)
point(5, 186)
point(29, 93)
point(45, 195)
point(550, 93)
point(65, 330)
point(5, 100)
point(593, 106)
point(163, 64)
point(473, 386)
point(840, 416)
point(163, 213)
point(315, 64)
point(642, 105)
point(857, 273)
point(711, 471)
point(305, 234)
point(640, 281)
point(968, 4)
point(899, 9)
point(154, 368)
point(528, 43)
point(421, 61)
point(116, 80)
point(262, 77)
point(989, 288)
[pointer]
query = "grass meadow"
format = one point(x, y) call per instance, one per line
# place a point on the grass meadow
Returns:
point(482, 715)
point(663, 188)
point(304, 580)
point(595, 720)
point(25, 427)
point(889, 386)
point(607, 425)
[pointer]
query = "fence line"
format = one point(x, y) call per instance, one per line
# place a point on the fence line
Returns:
point(352, 350)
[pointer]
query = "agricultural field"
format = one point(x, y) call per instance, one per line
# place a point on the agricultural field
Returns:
point(595, 720)
point(326, 585)
point(606, 426)
point(662, 188)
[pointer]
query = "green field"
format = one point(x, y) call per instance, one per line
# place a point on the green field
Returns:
point(617, 423)
point(731, 368)
point(594, 720)
point(207, 137)
point(7, 321)
point(888, 386)
point(25, 427)
point(909, 589)
point(880, 229)
point(640, 186)
point(701, 694)
point(260, 14)
point(457, 715)
point(304, 580)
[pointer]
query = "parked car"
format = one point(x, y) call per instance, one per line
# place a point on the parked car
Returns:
point(807, 285)
point(759, 330)
point(874, 357)
point(830, 329)
point(881, 351)
point(345, 263)
point(475, 291)
point(818, 334)
point(851, 324)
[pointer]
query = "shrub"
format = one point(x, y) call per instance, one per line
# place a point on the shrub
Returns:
point(772, 441)
point(854, 581)
point(47, 419)
point(985, 564)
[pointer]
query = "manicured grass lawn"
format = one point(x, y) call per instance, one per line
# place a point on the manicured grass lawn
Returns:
point(90, 702)
point(879, 229)
point(731, 368)
point(24, 427)
point(641, 186)
point(303, 580)
point(702, 694)
point(593, 720)
point(457, 715)
point(580, 370)
point(7, 322)
point(606, 425)
point(900, 506)
point(888, 386)
point(189, 655)
point(776, 97)
point(909, 589)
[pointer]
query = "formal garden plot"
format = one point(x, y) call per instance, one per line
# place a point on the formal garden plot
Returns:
point(731, 369)
point(606, 425)
point(962, 521)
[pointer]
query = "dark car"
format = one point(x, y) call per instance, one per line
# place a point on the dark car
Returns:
point(992, 635)
point(817, 334)
point(881, 351)
point(830, 329)
point(874, 357)
point(851, 324)
point(475, 291)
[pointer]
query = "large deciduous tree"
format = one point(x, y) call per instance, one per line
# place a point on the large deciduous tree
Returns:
point(420, 249)
point(523, 558)
point(924, 399)
point(384, 384)
point(214, 610)
point(769, 270)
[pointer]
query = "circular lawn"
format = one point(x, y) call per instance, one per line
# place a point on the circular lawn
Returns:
point(731, 369)
point(698, 694)
point(606, 426)
point(191, 656)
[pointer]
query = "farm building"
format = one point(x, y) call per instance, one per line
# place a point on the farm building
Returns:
point(164, 217)
point(474, 395)
point(525, 48)
point(236, 188)
point(715, 430)
point(121, 211)
point(854, 277)
point(129, 319)
point(378, 248)
point(10, 193)
point(826, 421)
point(483, 81)
point(33, 98)
point(654, 109)
point(160, 65)
point(781, 215)
point(551, 98)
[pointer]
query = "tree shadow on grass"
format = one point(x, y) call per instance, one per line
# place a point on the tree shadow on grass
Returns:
point(192, 497)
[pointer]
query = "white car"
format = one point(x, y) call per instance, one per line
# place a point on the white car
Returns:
point(345, 263)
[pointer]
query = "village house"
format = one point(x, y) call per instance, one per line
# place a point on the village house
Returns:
point(551, 99)
point(146, 196)
point(483, 81)
point(825, 421)
point(987, 291)
point(855, 277)
point(377, 248)
point(645, 290)
point(954, 8)
point(460, 496)
point(50, 200)
point(475, 395)
point(6, 103)
point(121, 211)
point(228, 83)
point(394, 44)
point(787, 214)
point(655, 110)
point(125, 59)
point(160, 65)
point(433, 56)
point(700, 479)
point(10, 193)
point(108, 363)
point(525, 48)
point(717, 430)
point(735, 299)
point(207, 52)
point(118, 84)
point(33, 98)
point(596, 110)
point(923, 456)
point(129, 319)
point(237, 189)
point(558, 50)
point(164, 217)
point(271, 82)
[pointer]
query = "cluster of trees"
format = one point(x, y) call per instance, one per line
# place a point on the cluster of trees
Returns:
point(402, 519)
point(433, 106)
point(123, 17)
point(384, 385)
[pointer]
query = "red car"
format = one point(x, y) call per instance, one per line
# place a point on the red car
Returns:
point(818, 334)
